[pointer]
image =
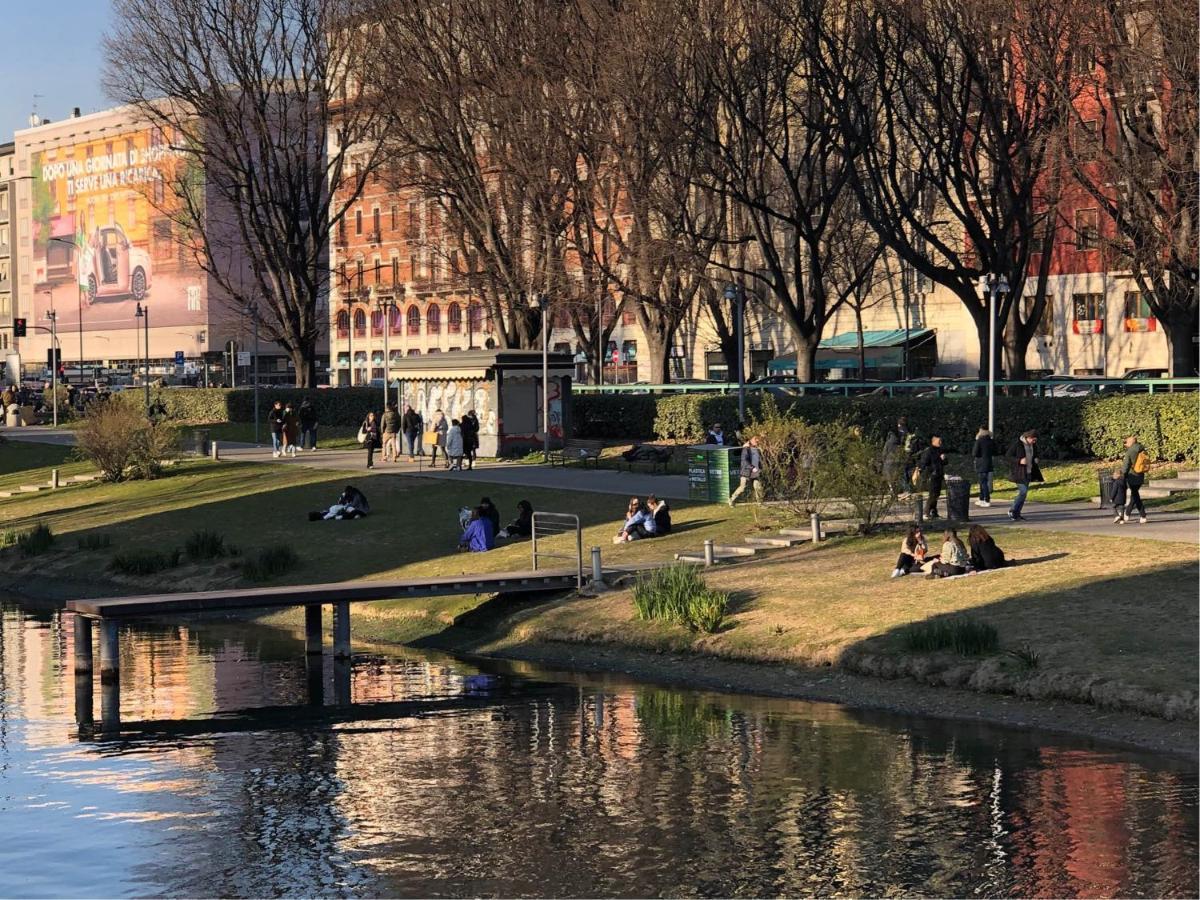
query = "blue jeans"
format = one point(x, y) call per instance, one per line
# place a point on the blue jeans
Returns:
point(1019, 500)
point(410, 442)
point(276, 441)
point(985, 486)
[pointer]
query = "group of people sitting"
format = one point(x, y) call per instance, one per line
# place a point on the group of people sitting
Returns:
point(481, 525)
point(955, 559)
point(644, 519)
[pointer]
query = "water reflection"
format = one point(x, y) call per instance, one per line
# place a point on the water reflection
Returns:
point(447, 780)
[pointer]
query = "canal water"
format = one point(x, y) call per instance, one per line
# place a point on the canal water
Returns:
point(448, 778)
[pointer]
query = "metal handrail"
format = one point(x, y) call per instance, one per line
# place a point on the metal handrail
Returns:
point(551, 523)
point(891, 387)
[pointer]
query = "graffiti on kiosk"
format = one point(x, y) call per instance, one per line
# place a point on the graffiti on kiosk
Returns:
point(454, 398)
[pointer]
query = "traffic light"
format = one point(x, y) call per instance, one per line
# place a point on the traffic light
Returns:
point(54, 359)
point(18, 328)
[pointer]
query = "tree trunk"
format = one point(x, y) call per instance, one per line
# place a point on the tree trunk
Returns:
point(806, 357)
point(862, 349)
point(1181, 340)
point(657, 352)
point(306, 367)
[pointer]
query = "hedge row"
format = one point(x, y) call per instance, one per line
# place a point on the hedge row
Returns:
point(343, 407)
point(1068, 426)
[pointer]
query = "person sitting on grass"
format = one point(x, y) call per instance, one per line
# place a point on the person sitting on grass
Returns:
point(984, 552)
point(479, 536)
point(352, 504)
point(488, 510)
point(639, 523)
point(914, 552)
point(522, 525)
point(954, 560)
point(661, 514)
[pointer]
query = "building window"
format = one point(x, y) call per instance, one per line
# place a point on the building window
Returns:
point(377, 321)
point(342, 230)
point(414, 220)
point(474, 317)
point(358, 221)
point(1138, 314)
point(359, 270)
point(1045, 325)
point(629, 352)
point(375, 222)
point(1083, 62)
point(414, 321)
point(394, 319)
point(343, 324)
point(393, 212)
point(1088, 312)
point(433, 319)
point(414, 352)
point(360, 323)
point(1087, 140)
point(414, 264)
point(454, 318)
point(1087, 229)
point(395, 270)
point(627, 315)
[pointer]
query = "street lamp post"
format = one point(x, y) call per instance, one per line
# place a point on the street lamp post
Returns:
point(542, 304)
point(79, 292)
point(734, 292)
point(997, 287)
point(385, 305)
point(142, 313)
point(55, 357)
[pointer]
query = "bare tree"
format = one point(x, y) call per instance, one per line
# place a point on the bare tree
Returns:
point(950, 106)
point(1135, 153)
point(259, 97)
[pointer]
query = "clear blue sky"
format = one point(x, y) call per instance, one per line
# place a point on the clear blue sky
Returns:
point(52, 49)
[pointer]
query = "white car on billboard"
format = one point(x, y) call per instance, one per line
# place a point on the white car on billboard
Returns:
point(111, 266)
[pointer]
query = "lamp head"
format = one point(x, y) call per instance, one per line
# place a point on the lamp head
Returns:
point(731, 292)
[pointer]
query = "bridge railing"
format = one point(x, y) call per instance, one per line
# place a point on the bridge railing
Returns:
point(547, 525)
point(942, 388)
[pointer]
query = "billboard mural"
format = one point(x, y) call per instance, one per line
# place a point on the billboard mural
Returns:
point(103, 237)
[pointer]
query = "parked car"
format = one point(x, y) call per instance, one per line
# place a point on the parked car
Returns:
point(1066, 386)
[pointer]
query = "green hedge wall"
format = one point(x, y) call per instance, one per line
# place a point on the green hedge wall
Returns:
point(1068, 426)
point(344, 406)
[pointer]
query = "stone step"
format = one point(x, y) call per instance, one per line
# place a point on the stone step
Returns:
point(734, 549)
point(1174, 484)
point(8, 493)
point(83, 478)
point(34, 488)
point(699, 557)
point(1189, 474)
point(773, 542)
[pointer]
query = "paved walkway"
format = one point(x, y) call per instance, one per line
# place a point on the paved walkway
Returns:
point(1082, 518)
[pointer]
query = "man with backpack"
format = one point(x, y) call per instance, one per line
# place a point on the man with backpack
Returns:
point(1133, 472)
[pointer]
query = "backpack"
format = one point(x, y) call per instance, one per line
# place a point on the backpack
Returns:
point(1141, 463)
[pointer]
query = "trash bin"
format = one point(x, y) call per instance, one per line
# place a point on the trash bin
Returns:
point(712, 472)
point(958, 498)
point(697, 466)
point(1106, 483)
point(200, 441)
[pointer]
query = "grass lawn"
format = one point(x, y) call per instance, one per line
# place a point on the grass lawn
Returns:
point(412, 530)
point(1066, 480)
point(1110, 619)
point(330, 437)
point(22, 462)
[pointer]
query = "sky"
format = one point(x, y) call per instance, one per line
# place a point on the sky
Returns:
point(51, 48)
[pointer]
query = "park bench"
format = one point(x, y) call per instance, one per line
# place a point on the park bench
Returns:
point(659, 459)
point(577, 449)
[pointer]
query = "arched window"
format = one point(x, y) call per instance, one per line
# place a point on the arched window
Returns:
point(394, 320)
point(433, 319)
point(360, 323)
point(414, 320)
point(377, 321)
point(475, 317)
point(454, 318)
point(343, 324)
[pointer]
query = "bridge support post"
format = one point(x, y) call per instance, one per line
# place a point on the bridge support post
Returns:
point(83, 645)
point(341, 630)
point(84, 715)
point(312, 629)
point(341, 681)
point(110, 707)
point(110, 656)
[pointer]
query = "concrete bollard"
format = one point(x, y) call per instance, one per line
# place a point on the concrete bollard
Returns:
point(816, 528)
point(212, 446)
point(54, 478)
point(710, 555)
point(597, 568)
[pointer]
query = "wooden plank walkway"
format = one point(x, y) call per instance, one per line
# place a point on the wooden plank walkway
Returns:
point(336, 592)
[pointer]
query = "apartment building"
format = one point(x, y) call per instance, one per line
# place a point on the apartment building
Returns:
point(8, 154)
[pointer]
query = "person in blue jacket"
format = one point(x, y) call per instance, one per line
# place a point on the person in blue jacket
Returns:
point(480, 534)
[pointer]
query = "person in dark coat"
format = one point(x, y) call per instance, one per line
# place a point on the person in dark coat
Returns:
point(371, 440)
point(662, 514)
point(470, 436)
point(933, 471)
point(489, 511)
point(522, 525)
point(984, 552)
point(750, 471)
point(1022, 456)
point(275, 423)
point(410, 425)
point(984, 450)
point(308, 425)
point(1133, 478)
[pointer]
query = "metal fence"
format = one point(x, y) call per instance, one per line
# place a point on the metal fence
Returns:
point(1073, 387)
point(550, 524)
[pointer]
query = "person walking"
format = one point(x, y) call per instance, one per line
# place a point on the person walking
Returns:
point(454, 446)
point(1022, 456)
point(750, 472)
point(470, 435)
point(291, 429)
point(410, 424)
point(933, 471)
point(275, 424)
point(390, 426)
point(437, 436)
point(1133, 473)
point(308, 425)
point(370, 437)
point(984, 449)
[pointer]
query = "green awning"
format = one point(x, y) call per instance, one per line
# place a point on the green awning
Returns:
point(830, 351)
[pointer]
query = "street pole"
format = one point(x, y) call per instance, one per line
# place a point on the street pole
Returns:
point(80, 293)
point(146, 379)
point(384, 309)
point(545, 380)
point(54, 368)
point(997, 285)
point(741, 342)
point(254, 312)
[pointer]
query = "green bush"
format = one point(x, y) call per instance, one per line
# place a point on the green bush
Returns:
point(1067, 426)
point(678, 594)
point(94, 542)
point(959, 634)
point(204, 544)
point(342, 407)
point(142, 561)
point(36, 540)
point(123, 443)
point(270, 562)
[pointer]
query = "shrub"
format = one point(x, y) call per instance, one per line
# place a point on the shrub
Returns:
point(863, 476)
point(141, 561)
point(270, 562)
point(960, 634)
point(36, 540)
point(679, 594)
point(202, 545)
point(94, 542)
point(800, 463)
point(123, 443)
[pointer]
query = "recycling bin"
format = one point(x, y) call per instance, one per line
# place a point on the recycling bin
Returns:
point(713, 472)
point(1106, 486)
point(958, 498)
